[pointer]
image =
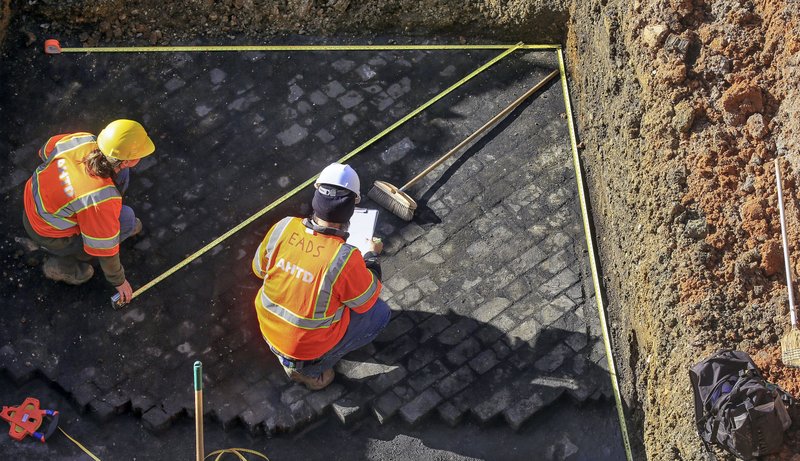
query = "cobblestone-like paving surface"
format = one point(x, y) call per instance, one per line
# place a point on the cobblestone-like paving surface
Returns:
point(494, 312)
point(557, 433)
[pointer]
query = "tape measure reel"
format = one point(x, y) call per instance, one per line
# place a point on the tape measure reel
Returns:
point(26, 419)
point(51, 46)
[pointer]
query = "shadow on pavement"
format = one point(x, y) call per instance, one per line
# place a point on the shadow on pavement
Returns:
point(491, 391)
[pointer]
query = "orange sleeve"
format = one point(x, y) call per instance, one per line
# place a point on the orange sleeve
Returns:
point(47, 149)
point(360, 287)
point(99, 225)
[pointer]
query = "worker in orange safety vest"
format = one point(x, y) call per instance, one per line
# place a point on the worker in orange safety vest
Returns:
point(73, 202)
point(319, 299)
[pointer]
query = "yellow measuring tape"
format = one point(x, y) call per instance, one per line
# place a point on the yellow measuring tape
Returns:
point(85, 450)
point(592, 261)
point(55, 48)
point(304, 184)
point(174, 49)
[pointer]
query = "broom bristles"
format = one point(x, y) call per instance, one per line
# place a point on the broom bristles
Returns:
point(790, 348)
point(393, 199)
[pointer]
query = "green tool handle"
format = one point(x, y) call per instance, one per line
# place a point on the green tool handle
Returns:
point(198, 376)
point(198, 411)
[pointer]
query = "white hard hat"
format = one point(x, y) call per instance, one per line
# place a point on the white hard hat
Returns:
point(340, 175)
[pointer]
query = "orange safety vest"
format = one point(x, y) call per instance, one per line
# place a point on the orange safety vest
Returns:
point(311, 281)
point(62, 199)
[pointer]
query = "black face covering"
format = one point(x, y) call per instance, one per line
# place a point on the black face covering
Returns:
point(333, 204)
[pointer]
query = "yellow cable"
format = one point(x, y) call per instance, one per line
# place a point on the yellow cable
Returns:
point(215, 48)
point(235, 451)
point(289, 194)
point(592, 259)
point(85, 450)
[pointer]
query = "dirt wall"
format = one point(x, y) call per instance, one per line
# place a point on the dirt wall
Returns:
point(177, 22)
point(681, 107)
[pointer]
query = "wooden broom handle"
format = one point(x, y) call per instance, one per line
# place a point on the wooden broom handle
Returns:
point(787, 266)
point(480, 130)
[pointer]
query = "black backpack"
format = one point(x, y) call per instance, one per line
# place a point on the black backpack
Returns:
point(735, 408)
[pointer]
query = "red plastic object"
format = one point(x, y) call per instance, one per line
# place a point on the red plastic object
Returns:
point(26, 419)
point(51, 46)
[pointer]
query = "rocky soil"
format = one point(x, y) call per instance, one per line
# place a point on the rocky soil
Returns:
point(682, 106)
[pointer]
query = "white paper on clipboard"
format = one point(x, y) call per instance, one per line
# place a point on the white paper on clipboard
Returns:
point(362, 228)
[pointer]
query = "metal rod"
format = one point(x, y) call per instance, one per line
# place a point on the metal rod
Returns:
point(198, 410)
point(785, 245)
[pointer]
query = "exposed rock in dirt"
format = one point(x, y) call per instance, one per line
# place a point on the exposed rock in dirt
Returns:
point(679, 300)
point(5, 18)
point(682, 106)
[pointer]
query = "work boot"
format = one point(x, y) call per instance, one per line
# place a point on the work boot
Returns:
point(67, 270)
point(314, 384)
point(137, 227)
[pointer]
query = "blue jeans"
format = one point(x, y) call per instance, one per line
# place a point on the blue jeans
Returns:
point(363, 328)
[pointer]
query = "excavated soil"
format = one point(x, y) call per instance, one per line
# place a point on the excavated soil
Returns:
point(682, 105)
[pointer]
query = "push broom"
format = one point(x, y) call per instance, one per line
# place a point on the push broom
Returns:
point(790, 343)
point(399, 202)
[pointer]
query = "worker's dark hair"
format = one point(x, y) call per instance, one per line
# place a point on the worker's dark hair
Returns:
point(100, 165)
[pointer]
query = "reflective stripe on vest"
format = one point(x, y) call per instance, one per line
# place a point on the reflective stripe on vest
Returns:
point(85, 201)
point(55, 221)
point(276, 235)
point(101, 244)
point(64, 146)
point(295, 320)
point(364, 297)
point(257, 262)
point(43, 150)
point(326, 287)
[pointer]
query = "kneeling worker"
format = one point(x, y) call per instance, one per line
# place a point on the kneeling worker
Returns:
point(73, 202)
point(319, 299)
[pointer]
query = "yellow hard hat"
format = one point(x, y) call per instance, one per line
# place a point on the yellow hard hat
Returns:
point(125, 140)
